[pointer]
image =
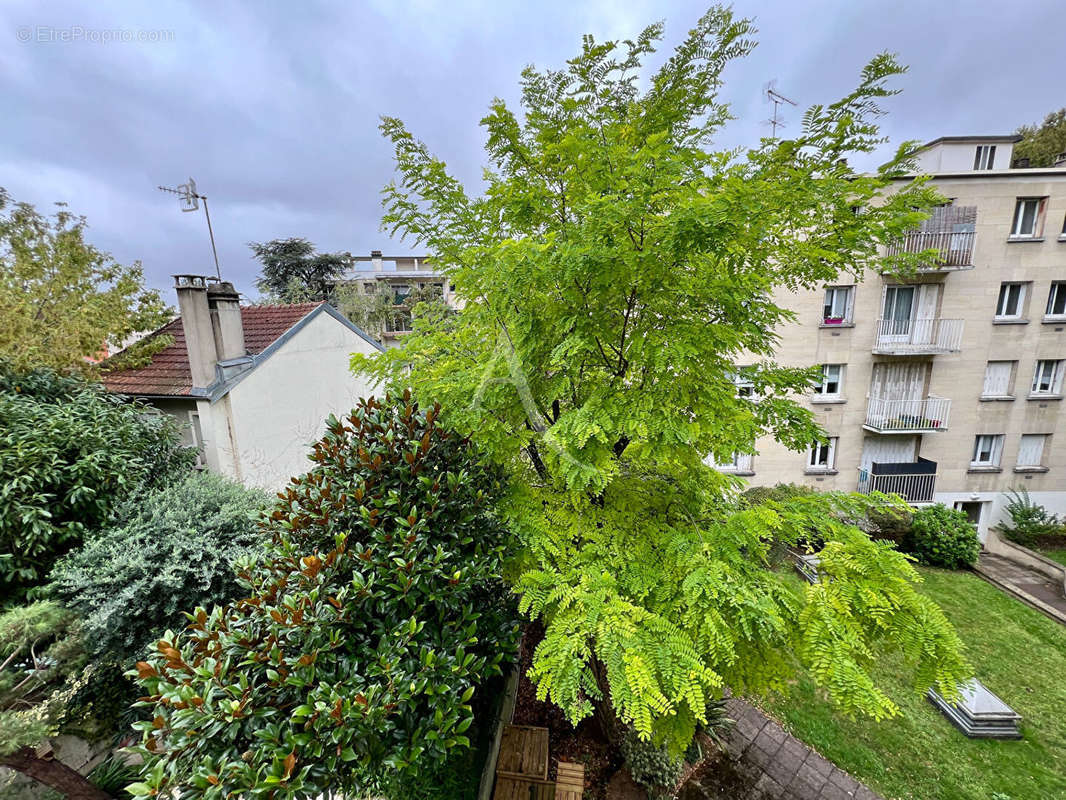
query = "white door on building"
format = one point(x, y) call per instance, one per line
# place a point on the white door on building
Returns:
point(925, 313)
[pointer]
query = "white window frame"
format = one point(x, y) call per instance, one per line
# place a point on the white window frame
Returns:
point(742, 463)
point(821, 389)
point(1038, 462)
point(987, 450)
point(1012, 371)
point(831, 302)
point(984, 157)
point(1016, 231)
point(745, 387)
point(1002, 302)
point(1047, 378)
point(817, 451)
point(1056, 296)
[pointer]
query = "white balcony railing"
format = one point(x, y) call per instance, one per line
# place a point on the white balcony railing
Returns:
point(918, 336)
point(918, 415)
point(912, 487)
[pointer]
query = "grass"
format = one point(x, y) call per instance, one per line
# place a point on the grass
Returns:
point(1056, 555)
point(1017, 652)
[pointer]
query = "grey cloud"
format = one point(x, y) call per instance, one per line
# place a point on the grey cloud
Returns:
point(274, 107)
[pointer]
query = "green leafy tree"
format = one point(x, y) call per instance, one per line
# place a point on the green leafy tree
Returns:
point(62, 301)
point(294, 273)
point(42, 660)
point(617, 270)
point(371, 312)
point(1042, 143)
point(363, 637)
point(172, 549)
point(69, 454)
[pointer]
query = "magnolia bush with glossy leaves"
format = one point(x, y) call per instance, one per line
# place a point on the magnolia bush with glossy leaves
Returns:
point(361, 640)
point(619, 274)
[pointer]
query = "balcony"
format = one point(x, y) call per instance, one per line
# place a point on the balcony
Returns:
point(918, 415)
point(918, 337)
point(950, 231)
point(913, 481)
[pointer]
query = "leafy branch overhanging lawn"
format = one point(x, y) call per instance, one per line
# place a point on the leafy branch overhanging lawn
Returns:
point(1016, 651)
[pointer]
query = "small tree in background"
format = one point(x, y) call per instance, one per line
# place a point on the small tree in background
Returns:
point(62, 301)
point(617, 270)
point(1042, 143)
point(172, 549)
point(294, 273)
point(69, 454)
point(363, 637)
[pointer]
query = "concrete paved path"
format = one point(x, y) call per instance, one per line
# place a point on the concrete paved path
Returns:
point(1024, 583)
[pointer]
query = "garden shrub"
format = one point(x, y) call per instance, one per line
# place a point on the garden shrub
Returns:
point(650, 764)
point(69, 454)
point(362, 637)
point(1031, 525)
point(942, 537)
point(173, 550)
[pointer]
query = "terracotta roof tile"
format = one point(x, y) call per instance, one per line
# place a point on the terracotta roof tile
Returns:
point(169, 374)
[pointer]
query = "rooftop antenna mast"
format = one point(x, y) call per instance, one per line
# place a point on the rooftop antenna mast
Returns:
point(190, 201)
point(775, 97)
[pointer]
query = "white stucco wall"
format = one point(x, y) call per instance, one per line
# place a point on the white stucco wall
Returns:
point(959, 156)
point(263, 427)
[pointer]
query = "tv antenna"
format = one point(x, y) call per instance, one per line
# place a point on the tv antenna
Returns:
point(775, 97)
point(190, 201)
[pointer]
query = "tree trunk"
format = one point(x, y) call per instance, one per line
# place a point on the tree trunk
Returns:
point(55, 774)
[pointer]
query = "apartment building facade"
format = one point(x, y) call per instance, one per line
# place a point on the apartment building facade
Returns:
point(397, 277)
point(945, 386)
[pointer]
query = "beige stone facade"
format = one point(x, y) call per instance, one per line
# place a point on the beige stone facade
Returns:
point(914, 383)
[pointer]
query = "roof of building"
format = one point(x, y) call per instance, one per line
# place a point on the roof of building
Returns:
point(972, 140)
point(169, 374)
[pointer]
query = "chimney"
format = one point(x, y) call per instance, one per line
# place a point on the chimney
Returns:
point(226, 324)
point(375, 259)
point(1060, 160)
point(211, 319)
point(196, 322)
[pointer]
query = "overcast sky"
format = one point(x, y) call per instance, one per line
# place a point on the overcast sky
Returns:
point(273, 107)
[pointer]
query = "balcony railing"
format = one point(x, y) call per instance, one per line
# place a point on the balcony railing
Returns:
point(918, 415)
point(918, 336)
point(950, 231)
point(915, 481)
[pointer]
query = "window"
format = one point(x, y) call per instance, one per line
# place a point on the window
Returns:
point(371, 288)
point(1047, 378)
point(838, 303)
point(822, 457)
point(745, 385)
point(1031, 450)
point(741, 462)
point(987, 450)
point(831, 382)
point(999, 379)
point(1011, 301)
point(1056, 300)
point(1028, 218)
point(985, 156)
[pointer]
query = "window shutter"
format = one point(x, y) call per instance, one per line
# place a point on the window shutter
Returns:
point(1031, 450)
point(997, 379)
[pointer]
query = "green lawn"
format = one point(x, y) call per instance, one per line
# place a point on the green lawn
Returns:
point(1017, 652)
point(1056, 555)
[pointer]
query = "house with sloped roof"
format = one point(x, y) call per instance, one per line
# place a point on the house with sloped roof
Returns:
point(251, 385)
